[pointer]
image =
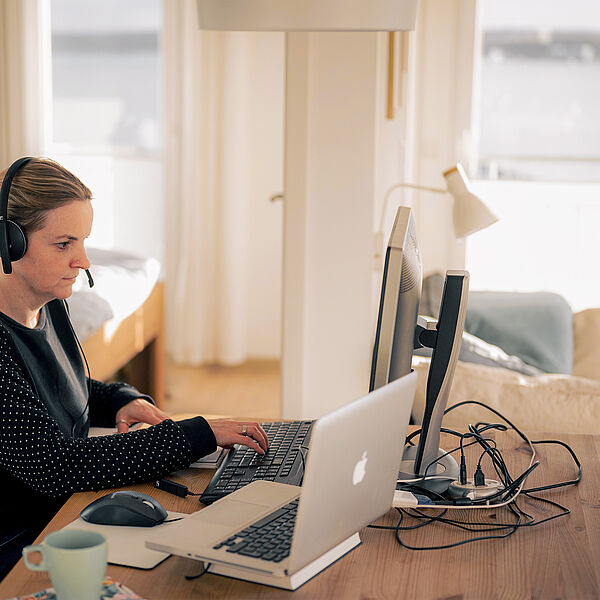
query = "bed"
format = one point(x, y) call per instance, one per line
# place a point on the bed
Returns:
point(539, 363)
point(120, 321)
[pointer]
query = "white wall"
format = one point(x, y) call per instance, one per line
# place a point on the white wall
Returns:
point(266, 60)
point(340, 155)
point(445, 38)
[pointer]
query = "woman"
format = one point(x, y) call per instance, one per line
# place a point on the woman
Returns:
point(47, 403)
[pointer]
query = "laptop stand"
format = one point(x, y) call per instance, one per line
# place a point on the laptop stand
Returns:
point(295, 580)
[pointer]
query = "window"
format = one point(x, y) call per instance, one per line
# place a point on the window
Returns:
point(105, 76)
point(537, 151)
point(105, 115)
point(538, 110)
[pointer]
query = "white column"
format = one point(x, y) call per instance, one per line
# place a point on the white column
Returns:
point(332, 110)
point(233, 200)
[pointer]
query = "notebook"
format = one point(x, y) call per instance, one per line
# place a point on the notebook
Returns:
point(350, 478)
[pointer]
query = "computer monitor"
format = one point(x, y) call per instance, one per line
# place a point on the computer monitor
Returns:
point(400, 330)
point(399, 303)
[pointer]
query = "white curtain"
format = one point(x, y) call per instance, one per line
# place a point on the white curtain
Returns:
point(206, 198)
point(24, 52)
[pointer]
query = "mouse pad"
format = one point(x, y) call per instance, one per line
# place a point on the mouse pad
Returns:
point(126, 545)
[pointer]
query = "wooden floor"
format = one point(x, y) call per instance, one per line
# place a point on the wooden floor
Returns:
point(251, 389)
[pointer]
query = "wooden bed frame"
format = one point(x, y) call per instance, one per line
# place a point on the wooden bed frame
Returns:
point(135, 350)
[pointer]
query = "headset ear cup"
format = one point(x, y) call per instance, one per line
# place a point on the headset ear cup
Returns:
point(17, 241)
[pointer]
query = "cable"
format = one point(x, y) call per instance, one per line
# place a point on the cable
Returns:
point(510, 494)
point(172, 487)
point(13, 538)
point(204, 571)
point(87, 366)
point(561, 483)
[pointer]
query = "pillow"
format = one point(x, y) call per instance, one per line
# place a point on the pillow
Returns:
point(586, 343)
point(537, 327)
point(475, 350)
point(549, 403)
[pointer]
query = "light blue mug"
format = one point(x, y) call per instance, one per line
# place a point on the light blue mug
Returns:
point(75, 560)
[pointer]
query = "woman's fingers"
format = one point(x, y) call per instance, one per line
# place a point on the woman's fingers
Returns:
point(228, 433)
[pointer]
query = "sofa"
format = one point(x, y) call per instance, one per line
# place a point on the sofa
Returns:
point(539, 366)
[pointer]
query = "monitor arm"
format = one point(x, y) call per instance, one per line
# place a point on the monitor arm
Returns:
point(425, 332)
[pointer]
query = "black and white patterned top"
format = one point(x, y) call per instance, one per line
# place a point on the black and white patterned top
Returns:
point(41, 464)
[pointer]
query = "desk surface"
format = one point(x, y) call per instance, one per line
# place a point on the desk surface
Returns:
point(558, 559)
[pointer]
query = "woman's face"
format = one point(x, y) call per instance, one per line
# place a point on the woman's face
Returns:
point(55, 253)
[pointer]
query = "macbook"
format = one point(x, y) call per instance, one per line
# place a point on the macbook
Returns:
point(283, 535)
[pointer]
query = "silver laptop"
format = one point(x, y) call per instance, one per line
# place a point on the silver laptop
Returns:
point(350, 478)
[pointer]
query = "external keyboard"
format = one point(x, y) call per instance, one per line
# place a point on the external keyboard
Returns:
point(283, 462)
point(268, 539)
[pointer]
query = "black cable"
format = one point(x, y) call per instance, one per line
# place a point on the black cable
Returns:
point(300, 448)
point(87, 366)
point(526, 440)
point(204, 571)
point(553, 486)
point(512, 529)
point(489, 447)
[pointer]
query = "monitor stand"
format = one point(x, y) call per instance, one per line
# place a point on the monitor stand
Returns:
point(439, 476)
point(420, 466)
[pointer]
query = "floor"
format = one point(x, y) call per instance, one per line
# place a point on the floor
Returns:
point(249, 390)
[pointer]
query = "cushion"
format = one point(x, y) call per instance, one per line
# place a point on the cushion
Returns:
point(586, 343)
point(537, 327)
point(532, 329)
point(546, 403)
point(476, 350)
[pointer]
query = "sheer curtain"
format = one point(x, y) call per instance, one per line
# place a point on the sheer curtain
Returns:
point(206, 199)
point(24, 41)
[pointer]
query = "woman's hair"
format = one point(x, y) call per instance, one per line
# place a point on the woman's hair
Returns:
point(39, 186)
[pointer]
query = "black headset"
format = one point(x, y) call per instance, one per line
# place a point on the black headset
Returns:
point(13, 241)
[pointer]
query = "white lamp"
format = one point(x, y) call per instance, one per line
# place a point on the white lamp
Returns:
point(307, 15)
point(470, 213)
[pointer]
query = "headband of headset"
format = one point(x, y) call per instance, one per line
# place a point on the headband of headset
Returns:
point(4, 222)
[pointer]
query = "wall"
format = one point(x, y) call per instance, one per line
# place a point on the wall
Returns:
point(340, 156)
point(265, 218)
point(445, 38)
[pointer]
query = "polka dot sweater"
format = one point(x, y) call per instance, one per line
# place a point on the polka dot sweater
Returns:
point(40, 466)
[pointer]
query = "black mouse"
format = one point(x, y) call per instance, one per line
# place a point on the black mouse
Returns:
point(129, 508)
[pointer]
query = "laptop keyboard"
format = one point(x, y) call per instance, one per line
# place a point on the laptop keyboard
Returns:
point(268, 539)
point(282, 463)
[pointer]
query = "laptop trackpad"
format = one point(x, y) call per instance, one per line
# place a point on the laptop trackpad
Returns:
point(233, 512)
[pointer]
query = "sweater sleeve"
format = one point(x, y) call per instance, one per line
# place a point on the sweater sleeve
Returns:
point(34, 450)
point(107, 398)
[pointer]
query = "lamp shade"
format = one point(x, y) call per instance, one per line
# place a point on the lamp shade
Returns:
point(470, 212)
point(307, 15)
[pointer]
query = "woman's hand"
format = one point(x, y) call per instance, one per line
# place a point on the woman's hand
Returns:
point(247, 433)
point(138, 411)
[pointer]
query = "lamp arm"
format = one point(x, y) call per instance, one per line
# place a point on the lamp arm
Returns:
point(413, 186)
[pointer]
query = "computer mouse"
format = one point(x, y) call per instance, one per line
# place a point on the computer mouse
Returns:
point(127, 508)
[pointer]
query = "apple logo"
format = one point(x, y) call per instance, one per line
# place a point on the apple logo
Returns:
point(360, 469)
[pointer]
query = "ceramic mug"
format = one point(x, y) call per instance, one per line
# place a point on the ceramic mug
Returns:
point(75, 560)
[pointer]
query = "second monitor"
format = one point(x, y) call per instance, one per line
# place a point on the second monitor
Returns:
point(400, 330)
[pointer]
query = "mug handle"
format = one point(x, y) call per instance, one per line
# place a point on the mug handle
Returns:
point(33, 567)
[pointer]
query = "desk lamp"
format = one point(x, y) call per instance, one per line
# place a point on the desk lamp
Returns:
point(470, 213)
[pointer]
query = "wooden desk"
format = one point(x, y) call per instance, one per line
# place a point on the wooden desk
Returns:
point(558, 559)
